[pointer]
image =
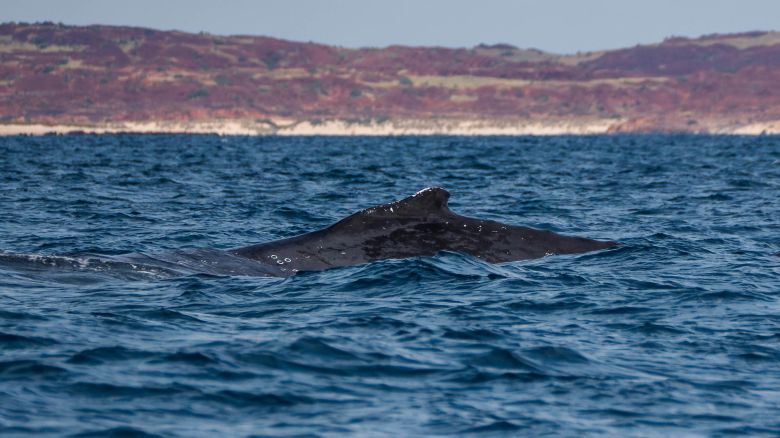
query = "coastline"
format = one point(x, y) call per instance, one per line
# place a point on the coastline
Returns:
point(374, 128)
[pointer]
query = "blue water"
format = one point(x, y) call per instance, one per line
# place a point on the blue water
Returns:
point(675, 332)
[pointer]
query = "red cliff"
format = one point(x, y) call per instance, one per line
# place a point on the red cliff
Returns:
point(98, 75)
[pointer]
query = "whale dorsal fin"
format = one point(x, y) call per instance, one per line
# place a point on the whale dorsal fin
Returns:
point(426, 202)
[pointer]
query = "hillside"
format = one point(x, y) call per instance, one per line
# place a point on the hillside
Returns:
point(123, 78)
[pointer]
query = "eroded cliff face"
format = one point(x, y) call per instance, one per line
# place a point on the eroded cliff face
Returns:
point(103, 77)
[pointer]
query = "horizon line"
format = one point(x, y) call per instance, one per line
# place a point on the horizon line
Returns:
point(479, 45)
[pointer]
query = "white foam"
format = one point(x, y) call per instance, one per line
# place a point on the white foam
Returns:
point(427, 189)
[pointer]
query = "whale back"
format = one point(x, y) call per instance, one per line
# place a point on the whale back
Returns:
point(420, 225)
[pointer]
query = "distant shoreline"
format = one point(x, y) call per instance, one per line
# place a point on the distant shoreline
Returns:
point(371, 128)
point(110, 79)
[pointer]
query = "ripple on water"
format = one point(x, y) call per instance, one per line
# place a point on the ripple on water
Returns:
point(10, 340)
point(29, 369)
point(100, 355)
point(116, 432)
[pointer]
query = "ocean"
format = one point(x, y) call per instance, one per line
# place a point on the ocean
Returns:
point(676, 332)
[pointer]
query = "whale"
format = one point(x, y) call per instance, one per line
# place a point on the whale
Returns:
point(419, 225)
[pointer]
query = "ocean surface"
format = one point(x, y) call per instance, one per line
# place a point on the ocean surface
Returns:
point(674, 333)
